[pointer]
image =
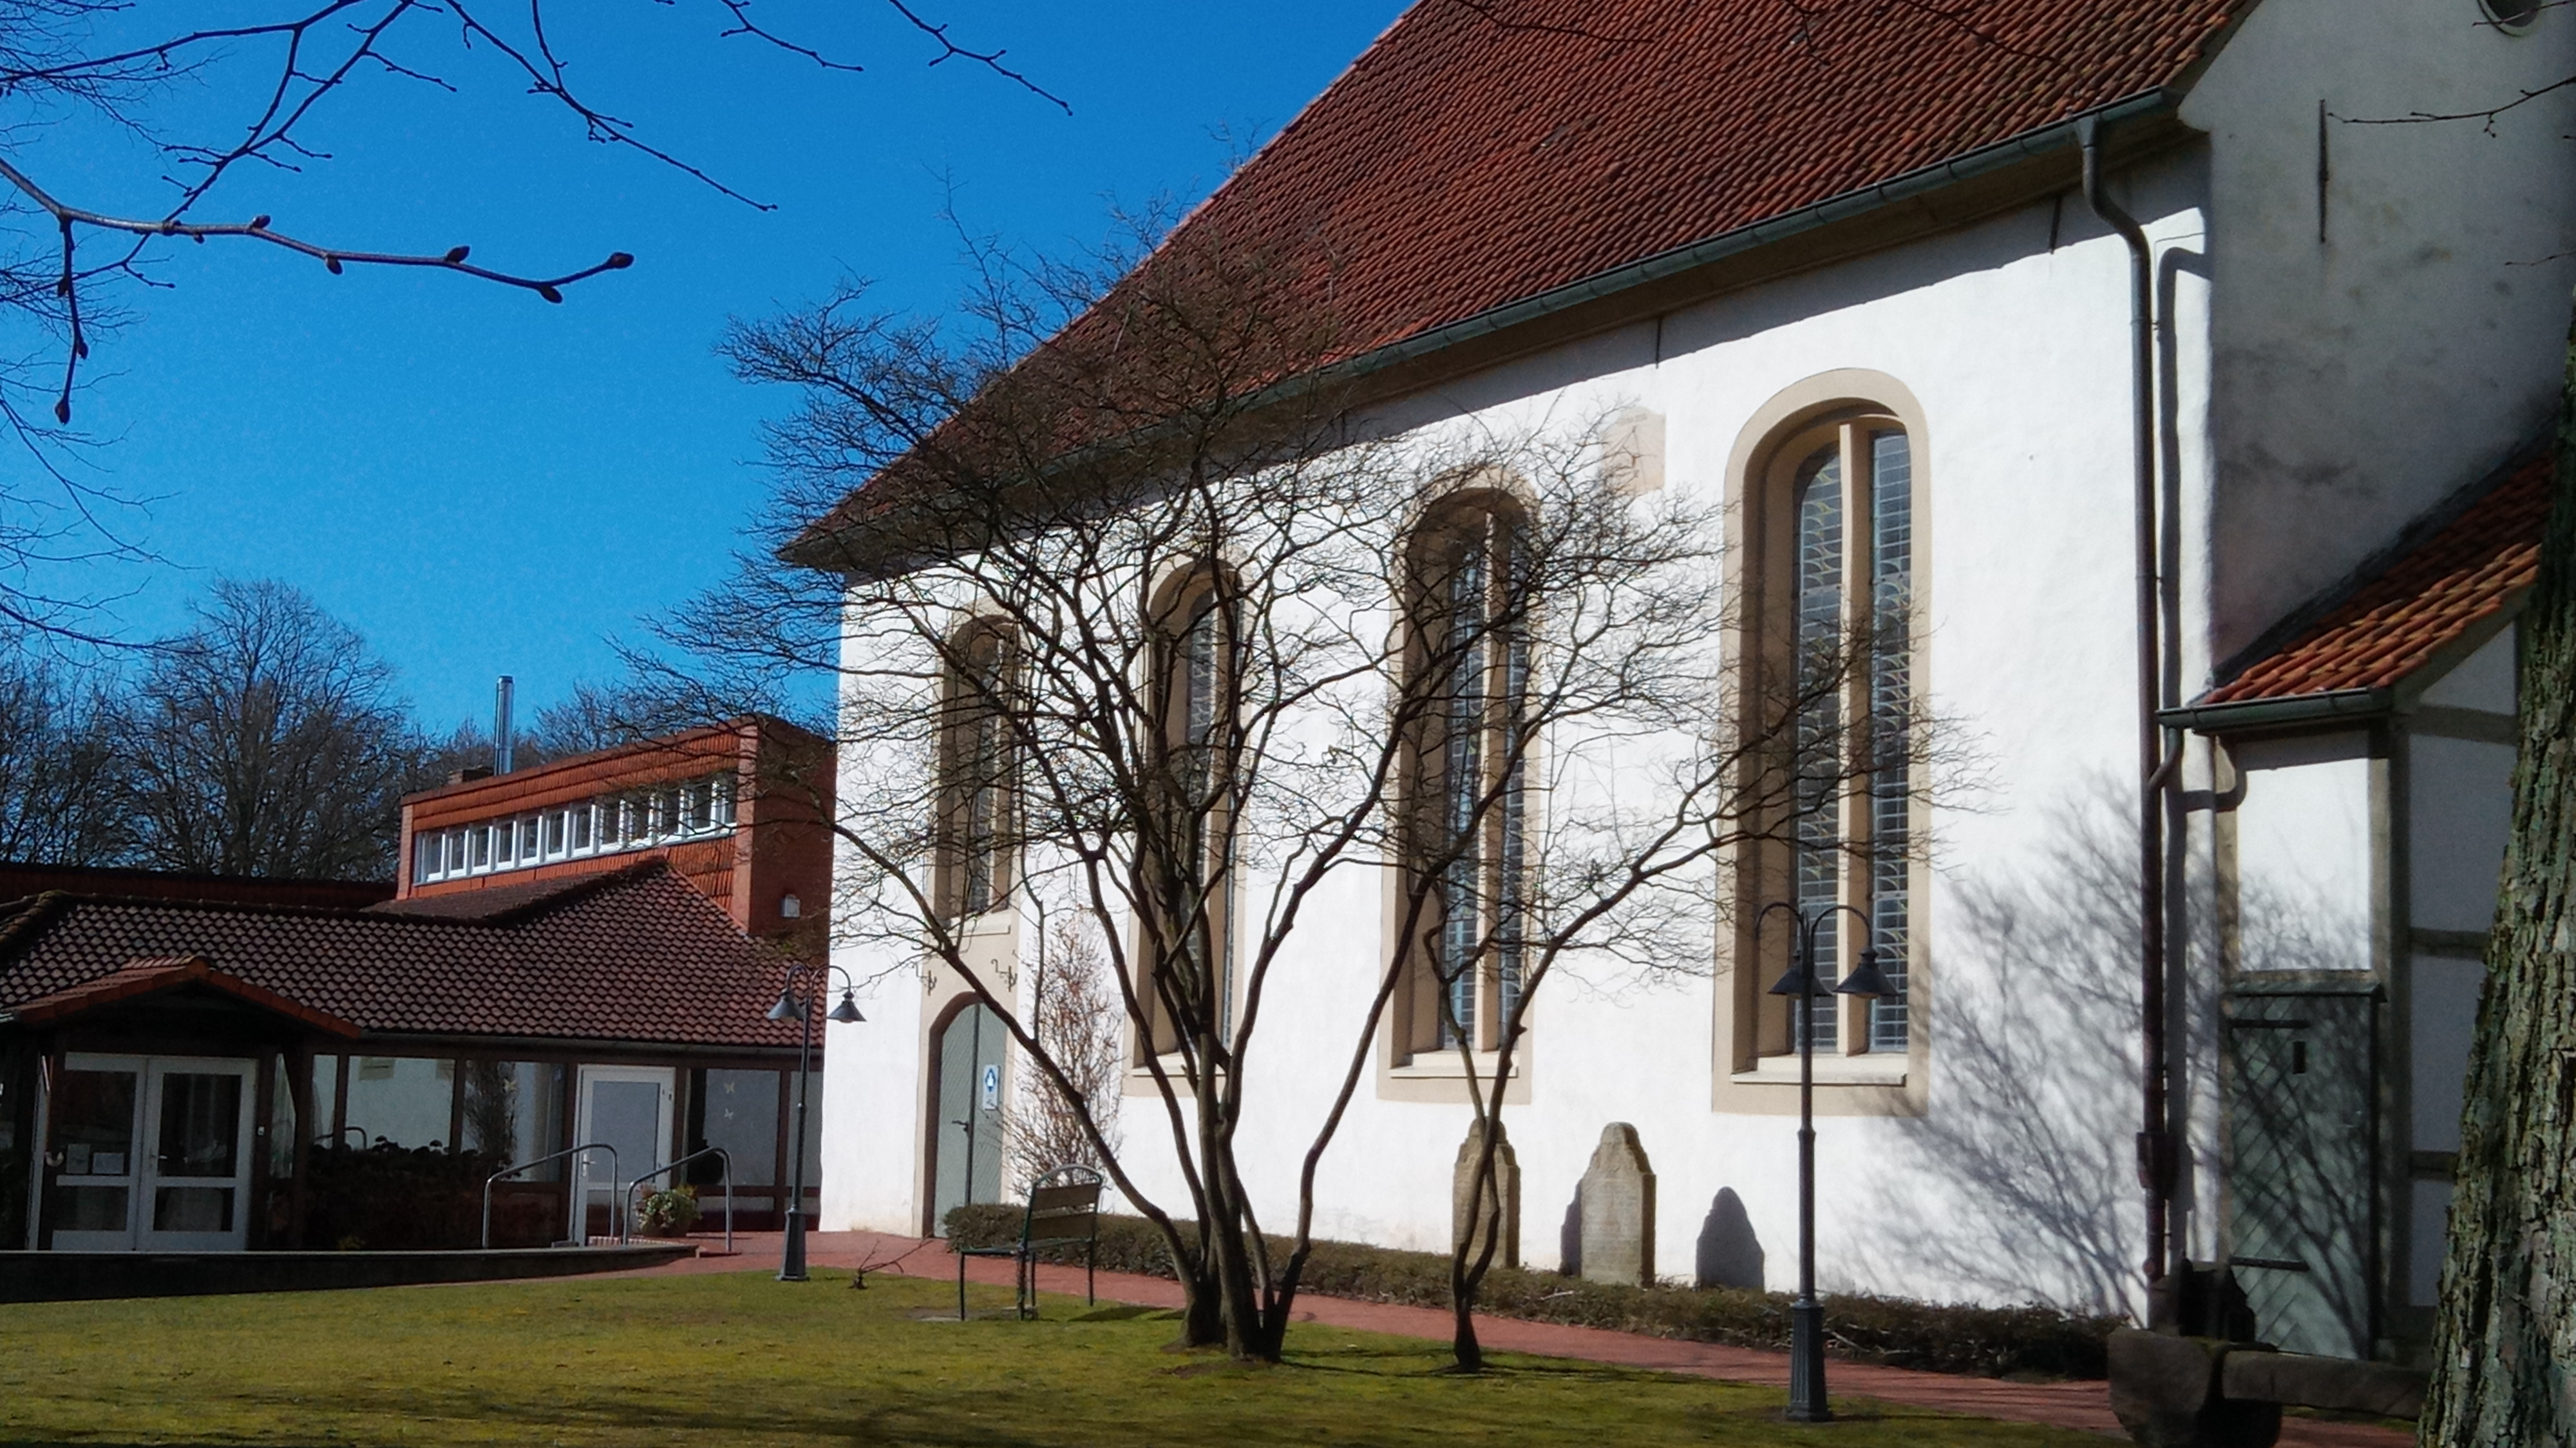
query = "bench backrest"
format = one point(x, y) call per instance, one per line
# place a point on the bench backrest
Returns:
point(1066, 1212)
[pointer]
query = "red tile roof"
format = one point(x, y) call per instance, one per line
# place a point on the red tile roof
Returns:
point(2402, 614)
point(1471, 157)
point(500, 904)
point(1480, 153)
point(153, 976)
point(636, 956)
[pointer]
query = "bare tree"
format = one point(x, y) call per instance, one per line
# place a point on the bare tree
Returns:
point(1074, 1010)
point(62, 778)
point(598, 716)
point(267, 740)
point(1137, 620)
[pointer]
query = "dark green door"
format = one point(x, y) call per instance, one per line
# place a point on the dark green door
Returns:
point(2302, 1181)
point(966, 1116)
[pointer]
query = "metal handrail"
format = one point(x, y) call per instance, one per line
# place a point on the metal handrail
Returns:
point(718, 1152)
point(613, 1170)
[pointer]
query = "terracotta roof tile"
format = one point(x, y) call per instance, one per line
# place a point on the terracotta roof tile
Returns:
point(2398, 617)
point(152, 975)
point(637, 956)
point(1479, 154)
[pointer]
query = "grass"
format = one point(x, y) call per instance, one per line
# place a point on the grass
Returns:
point(748, 1360)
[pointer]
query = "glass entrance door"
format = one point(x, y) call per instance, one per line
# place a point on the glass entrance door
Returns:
point(628, 1108)
point(97, 1110)
point(151, 1152)
point(196, 1172)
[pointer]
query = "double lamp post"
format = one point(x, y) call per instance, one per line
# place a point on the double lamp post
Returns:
point(1807, 1318)
point(793, 1006)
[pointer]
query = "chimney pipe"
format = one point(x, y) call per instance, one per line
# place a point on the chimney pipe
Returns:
point(501, 726)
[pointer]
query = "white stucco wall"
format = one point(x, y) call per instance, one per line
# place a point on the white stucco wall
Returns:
point(2361, 377)
point(2459, 817)
point(2462, 812)
point(2306, 850)
point(2017, 356)
point(2486, 680)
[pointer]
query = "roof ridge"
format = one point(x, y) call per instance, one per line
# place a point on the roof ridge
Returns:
point(2423, 528)
point(184, 902)
point(573, 891)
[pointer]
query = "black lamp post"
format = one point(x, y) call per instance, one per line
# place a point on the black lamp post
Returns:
point(1807, 1319)
point(800, 1008)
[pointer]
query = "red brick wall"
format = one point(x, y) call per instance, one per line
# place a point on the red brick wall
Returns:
point(779, 845)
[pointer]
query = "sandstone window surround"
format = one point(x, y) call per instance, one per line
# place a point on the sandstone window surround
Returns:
point(1828, 487)
point(1195, 642)
point(1464, 806)
point(976, 799)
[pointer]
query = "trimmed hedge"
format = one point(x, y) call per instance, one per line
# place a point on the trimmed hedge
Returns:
point(2031, 1340)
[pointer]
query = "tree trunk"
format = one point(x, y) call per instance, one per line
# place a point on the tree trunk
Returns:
point(2504, 1371)
point(1202, 1309)
point(1472, 1256)
point(1470, 1353)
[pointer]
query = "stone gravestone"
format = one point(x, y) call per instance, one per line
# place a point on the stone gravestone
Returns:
point(1466, 1214)
point(1618, 1197)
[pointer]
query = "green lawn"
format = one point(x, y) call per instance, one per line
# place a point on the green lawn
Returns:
point(743, 1359)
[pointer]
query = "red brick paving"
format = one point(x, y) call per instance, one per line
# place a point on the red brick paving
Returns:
point(2083, 1406)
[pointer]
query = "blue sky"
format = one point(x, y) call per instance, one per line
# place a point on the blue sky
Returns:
point(481, 483)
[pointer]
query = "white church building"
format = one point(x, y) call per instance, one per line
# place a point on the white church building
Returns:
point(1850, 247)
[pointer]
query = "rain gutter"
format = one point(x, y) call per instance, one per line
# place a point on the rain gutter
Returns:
point(1986, 160)
point(2246, 715)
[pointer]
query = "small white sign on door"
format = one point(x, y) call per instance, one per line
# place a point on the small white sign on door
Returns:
point(992, 1088)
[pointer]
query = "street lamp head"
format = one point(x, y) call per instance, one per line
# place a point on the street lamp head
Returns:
point(1866, 979)
point(1797, 980)
point(787, 1008)
point(847, 1012)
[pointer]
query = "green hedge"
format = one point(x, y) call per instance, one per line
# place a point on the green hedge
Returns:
point(2030, 1340)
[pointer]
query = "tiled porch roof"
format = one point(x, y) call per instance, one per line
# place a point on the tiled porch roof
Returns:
point(633, 956)
point(153, 976)
point(2397, 617)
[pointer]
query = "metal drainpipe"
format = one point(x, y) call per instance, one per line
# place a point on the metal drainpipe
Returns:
point(2156, 1155)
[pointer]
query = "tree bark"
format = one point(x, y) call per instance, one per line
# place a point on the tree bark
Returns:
point(2504, 1370)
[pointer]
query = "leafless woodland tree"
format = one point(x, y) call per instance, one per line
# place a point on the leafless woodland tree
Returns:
point(62, 776)
point(76, 72)
point(266, 740)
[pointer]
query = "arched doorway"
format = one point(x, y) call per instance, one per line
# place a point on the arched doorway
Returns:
point(965, 1113)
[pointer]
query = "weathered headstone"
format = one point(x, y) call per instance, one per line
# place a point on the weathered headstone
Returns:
point(1467, 1214)
point(1618, 1196)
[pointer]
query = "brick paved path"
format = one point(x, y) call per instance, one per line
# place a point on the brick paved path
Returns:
point(2082, 1406)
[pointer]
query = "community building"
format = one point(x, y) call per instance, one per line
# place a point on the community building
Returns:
point(206, 1064)
point(736, 808)
point(2190, 414)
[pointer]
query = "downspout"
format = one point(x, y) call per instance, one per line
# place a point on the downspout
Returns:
point(2156, 1154)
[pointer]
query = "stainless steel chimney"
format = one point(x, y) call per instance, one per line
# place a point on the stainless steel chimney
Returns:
point(501, 727)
